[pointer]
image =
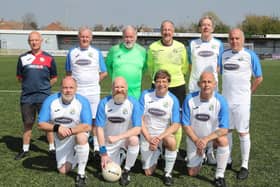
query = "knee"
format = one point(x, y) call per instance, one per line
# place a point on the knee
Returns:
point(81, 138)
point(193, 171)
point(222, 141)
point(133, 140)
point(170, 143)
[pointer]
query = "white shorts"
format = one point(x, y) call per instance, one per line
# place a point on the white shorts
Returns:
point(148, 157)
point(65, 150)
point(239, 117)
point(194, 160)
point(93, 100)
point(113, 150)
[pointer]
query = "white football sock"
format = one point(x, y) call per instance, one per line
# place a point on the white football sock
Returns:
point(222, 158)
point(51, 146)
point(245, 145)
point(25, 147)
point(131, 156)
point(95, 143)
point(82, 152)
point(170, 158)
point(229, 135)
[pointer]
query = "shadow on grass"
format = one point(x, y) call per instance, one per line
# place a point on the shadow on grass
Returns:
point(15, 144)
point(40, 163)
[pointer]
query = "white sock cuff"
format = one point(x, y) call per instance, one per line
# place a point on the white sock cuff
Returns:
point(223, 150)
point(25, 147)
point(244, 138)
point(133, 149)
point(82, 148)
point(170, 153)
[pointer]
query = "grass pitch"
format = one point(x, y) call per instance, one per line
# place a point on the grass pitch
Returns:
point(39, 170)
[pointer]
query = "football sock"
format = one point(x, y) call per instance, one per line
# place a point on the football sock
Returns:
point(82, 152)
point(95, 143)
point(51, 146)
point(170, 158)
point(178, 137)
point(229, 135)
point(132, 153)
point(245, 145)
point(222, 158)
point(25, 147)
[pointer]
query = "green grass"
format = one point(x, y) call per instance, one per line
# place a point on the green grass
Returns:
point(38, 170)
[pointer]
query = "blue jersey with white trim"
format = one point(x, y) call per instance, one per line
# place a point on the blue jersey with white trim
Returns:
point(205, 116)
point(54, 111)
point(159, 112)
point(237, 70)
point(117, 118)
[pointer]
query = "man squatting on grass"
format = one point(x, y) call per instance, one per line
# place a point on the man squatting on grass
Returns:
point(205, 119)
point(68, 115)
point(118, 122)
point(161, 118)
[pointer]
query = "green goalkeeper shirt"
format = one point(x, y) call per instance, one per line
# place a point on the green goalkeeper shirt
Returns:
point(129, 64)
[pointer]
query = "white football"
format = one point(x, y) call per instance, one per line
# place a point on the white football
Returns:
point(112, 172)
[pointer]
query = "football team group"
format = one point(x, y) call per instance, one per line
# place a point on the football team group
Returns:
point(131, 122)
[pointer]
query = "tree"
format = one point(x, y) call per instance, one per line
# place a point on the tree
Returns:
point(29, 22)
point(254, 25)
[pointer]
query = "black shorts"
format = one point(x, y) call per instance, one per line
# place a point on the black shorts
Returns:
point(29, 111)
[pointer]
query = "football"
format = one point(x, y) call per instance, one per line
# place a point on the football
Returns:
point(112, 172)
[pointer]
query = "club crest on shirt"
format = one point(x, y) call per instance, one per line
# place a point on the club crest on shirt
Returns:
point(72, 111)
point(165, 104)
point(213, 46)
point(211, 107)
point(42, 59)
point(125, 111)
point(90, 54)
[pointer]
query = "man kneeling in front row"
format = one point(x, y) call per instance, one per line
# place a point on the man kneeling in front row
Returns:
point(205, 118)
point(68, 115)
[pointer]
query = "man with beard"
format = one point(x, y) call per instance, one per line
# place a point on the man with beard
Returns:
point(68, 115)
point(128, 60)
point(161, 118)
point(118, 122)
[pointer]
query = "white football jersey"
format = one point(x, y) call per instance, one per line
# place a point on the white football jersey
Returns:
point(237, 69)
point(159, 112)
point(203, 56)
point(117, 118)
point(85, 65)
point(205, 116)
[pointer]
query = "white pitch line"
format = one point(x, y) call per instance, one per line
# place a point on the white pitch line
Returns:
point(18, 91)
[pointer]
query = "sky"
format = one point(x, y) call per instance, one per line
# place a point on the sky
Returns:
point(76, 13)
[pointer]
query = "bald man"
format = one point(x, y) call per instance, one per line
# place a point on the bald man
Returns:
point(241, 76)
point(205, 119)
point(118, 122)
point(36, 71)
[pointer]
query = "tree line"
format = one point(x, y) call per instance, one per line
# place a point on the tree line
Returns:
point(251, 25)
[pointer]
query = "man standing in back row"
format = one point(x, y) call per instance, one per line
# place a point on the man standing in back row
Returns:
point(36, 71)
point(86, 65)
point(238, 67)
point(128, 60)
point(170, 55)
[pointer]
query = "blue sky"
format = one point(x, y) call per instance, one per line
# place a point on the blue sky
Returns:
point(76, 13)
